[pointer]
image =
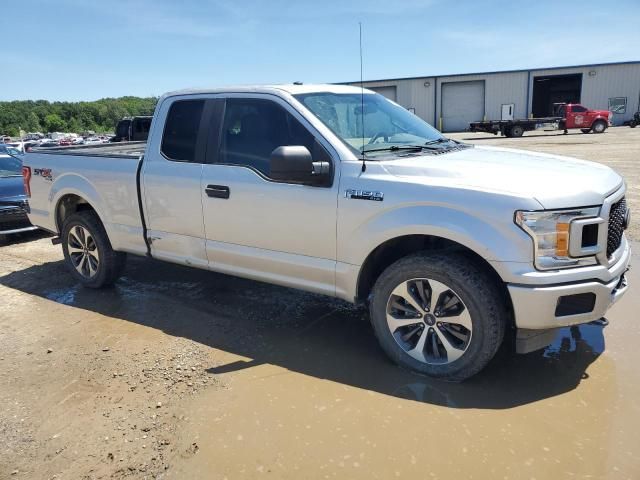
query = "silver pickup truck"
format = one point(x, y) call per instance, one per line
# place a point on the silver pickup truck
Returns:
point(339, 191)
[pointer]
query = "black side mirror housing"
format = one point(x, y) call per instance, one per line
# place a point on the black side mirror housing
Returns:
point(294, 164)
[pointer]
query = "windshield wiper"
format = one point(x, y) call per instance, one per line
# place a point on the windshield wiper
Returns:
point(395, 148)
point(440, 140)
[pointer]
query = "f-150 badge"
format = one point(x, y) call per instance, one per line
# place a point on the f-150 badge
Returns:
point(364, 195)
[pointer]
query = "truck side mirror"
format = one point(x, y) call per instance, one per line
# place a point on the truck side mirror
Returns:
point(294, 164)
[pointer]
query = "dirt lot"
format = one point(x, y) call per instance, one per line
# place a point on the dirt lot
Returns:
point(179, 373)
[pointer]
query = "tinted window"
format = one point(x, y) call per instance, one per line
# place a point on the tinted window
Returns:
point(253, 128)
point(122, 129)
point(181, 130)
point(578, 109)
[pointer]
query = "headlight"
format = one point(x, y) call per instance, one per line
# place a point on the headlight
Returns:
point(550, 232)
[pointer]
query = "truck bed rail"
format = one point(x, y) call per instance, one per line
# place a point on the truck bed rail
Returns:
point(117, 150)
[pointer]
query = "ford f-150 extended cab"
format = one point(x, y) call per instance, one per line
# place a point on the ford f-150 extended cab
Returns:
point(339, 191)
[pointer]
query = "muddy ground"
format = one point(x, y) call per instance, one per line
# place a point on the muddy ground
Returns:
point(178, 373)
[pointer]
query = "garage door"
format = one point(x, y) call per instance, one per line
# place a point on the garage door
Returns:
point(462, 103)
point(389, 92)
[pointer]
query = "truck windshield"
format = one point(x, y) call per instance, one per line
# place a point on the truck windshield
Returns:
point(374, 125)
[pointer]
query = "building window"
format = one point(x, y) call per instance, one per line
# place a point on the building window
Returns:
point(618, 104)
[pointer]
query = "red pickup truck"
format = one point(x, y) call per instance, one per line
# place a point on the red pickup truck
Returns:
point(577, 116)
point(566, 116)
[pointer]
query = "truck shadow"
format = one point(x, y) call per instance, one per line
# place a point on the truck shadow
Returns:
point(305, 333)
point(24, 237)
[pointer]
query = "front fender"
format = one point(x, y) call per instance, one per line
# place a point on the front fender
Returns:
point(497, 242)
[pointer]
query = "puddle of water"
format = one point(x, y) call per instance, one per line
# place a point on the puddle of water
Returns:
point(340, 410)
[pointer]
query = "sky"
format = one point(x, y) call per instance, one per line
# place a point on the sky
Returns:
point(90, 49)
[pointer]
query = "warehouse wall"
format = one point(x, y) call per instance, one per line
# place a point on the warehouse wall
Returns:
point(608, 81)
point(500, 88)
point(424, 94)
point(412, 93)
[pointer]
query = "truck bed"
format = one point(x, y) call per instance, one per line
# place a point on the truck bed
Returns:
point(505, 127)
point(106, 174)
point(116, 150)
point(519, 121)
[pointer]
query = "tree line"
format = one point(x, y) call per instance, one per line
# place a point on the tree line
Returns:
point(77, 117)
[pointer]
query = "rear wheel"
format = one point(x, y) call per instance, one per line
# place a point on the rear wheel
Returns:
point(633, 124)
point(438, 315)
point(599, 126)
point(517, 131)
point(88, 252)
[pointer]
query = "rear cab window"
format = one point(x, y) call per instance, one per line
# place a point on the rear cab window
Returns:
point(181, 129)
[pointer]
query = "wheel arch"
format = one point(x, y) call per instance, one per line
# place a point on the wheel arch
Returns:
point(396, 248)
point(600, 119)
point(72, 193)
point(69, 204)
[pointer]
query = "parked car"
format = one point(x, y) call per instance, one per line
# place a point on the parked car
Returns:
point(49, 142)
point(339, 191)
point(65, 142)
point(23, 146)
point(13, 199)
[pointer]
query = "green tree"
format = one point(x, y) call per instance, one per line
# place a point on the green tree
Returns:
point(54, 123)
point(41, 115)
point(33, 123)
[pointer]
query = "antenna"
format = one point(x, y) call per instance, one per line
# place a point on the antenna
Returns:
point(364, 164)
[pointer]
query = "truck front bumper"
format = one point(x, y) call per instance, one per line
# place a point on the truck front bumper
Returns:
point(553, 306)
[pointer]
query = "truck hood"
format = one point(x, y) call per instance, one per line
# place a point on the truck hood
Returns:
point(552, 180)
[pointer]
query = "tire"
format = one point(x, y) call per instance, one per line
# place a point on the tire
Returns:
point(467, 295)
point(88, 252)
point(633, 124)
point(585, 130)
point(507, 132)
point(599, 126)
point(517, 131)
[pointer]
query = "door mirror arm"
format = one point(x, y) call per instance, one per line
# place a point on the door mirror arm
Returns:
point(320, 169)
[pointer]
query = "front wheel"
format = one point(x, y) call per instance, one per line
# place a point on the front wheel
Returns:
point(599, 126)
point(88, 252)
point(439, 315)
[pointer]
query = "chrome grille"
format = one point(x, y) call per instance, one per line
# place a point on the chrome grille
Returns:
point(616, 225)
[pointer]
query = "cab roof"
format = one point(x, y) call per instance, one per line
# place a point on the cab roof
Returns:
point(292, 89)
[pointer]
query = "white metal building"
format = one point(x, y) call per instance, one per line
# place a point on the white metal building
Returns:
point(451, 102)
